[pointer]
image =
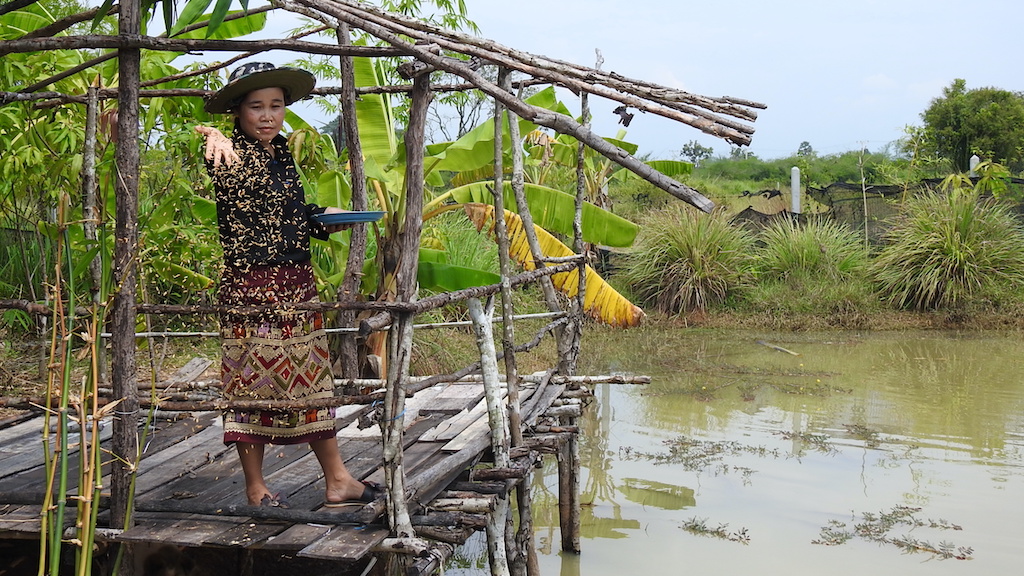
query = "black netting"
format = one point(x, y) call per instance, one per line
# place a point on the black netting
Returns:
point(872, 206)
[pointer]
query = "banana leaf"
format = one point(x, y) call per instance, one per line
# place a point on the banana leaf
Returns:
point(554, 210)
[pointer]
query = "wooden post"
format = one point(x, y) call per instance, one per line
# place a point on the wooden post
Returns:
point(357, 241)
point(125, 442)
point(400, 340)
point(525, 560)
point(568, 494)
point(496, 549)
point(91, 215)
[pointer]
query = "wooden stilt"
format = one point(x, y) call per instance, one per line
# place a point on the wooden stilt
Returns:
point(123, 374)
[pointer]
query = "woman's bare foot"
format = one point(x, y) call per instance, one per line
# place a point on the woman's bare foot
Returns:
point(351, 489)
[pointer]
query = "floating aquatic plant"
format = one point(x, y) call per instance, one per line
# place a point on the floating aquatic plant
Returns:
point(876, 528)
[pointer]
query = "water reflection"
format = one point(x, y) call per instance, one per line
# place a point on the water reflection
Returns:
point(736, 434)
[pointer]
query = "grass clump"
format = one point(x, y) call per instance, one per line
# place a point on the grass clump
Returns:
point(685, 261)
point(815, 267)
point(944, 251)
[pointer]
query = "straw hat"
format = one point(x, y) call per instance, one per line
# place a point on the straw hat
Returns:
point(296, 83)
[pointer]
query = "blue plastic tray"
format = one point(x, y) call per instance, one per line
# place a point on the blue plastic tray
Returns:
point(348, 217)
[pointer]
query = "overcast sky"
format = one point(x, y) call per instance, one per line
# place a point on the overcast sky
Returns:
point(839, 74)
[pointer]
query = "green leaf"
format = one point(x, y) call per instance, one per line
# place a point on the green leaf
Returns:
point(230, 29)
point(446, 277)
point(220, 10)
point(475, 149)
point(204, 210)
point(373, 113)
point(554, 211)
point(180, 276)
point(103, 11)
point(332, 189)
point(189, 14)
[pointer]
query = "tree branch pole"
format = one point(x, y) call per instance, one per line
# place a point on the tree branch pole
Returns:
point(558, 122)
point(91, 218)
point(138, 42)
point(496, 549)
point(103, 58)
point(125, 442)
point(508, 339)
point(357, 240)
point(575, 77)
point(400, 341)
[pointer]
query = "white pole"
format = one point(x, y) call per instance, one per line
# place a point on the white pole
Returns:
point(794, 186)
point(974, 164)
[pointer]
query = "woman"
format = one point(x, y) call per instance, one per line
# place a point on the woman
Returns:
point(265, 226)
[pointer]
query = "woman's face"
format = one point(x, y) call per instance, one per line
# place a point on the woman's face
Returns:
point(261, 113)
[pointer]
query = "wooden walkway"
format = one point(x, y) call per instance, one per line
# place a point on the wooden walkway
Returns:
point(190, 490)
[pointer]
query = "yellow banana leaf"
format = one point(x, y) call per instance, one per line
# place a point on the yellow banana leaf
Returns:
point(601, 302)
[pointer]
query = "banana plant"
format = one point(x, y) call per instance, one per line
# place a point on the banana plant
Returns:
point(471, 156)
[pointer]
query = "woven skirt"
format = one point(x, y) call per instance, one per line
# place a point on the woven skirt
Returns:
point(276, 355)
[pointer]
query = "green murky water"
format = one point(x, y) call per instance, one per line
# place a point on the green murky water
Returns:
point(765, 452)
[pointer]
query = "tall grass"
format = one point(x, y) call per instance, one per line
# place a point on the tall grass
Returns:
point(816, 267)
point(946, 250)
point(820, 248)
point(686, 261)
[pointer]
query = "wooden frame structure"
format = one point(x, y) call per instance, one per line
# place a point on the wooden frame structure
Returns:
point(428, 49)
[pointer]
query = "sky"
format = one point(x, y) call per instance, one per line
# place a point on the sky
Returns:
point(841, 75)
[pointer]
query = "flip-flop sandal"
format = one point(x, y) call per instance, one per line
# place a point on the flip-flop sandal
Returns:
point(371, 491)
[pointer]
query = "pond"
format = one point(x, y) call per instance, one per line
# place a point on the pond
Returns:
point(798, 453)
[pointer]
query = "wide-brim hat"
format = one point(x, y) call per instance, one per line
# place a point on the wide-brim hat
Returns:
point(296, 83)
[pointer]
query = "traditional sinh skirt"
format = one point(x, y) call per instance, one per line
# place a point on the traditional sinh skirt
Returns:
point(277, 355)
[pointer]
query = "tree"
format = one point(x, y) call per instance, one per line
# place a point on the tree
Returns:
point(695, 153)
point(987, 121)
point(805, 150)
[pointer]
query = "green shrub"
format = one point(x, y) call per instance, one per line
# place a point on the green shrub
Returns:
point(685, 260)
point(944, 250)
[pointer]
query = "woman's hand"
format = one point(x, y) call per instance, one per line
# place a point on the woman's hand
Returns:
point(336, 227)
point(218, 146)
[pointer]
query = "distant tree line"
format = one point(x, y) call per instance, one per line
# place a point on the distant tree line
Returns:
point(987, 122)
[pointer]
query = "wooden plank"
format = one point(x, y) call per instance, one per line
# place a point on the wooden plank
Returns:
point(180, 460)
point(346, 543)
point(479, 427)
point(190, 531)
point(30, 456)
point(172, 433)
point(455, 398)
point(22, 519)
point(294, 538)
point(16, 434)
point(245, 535)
